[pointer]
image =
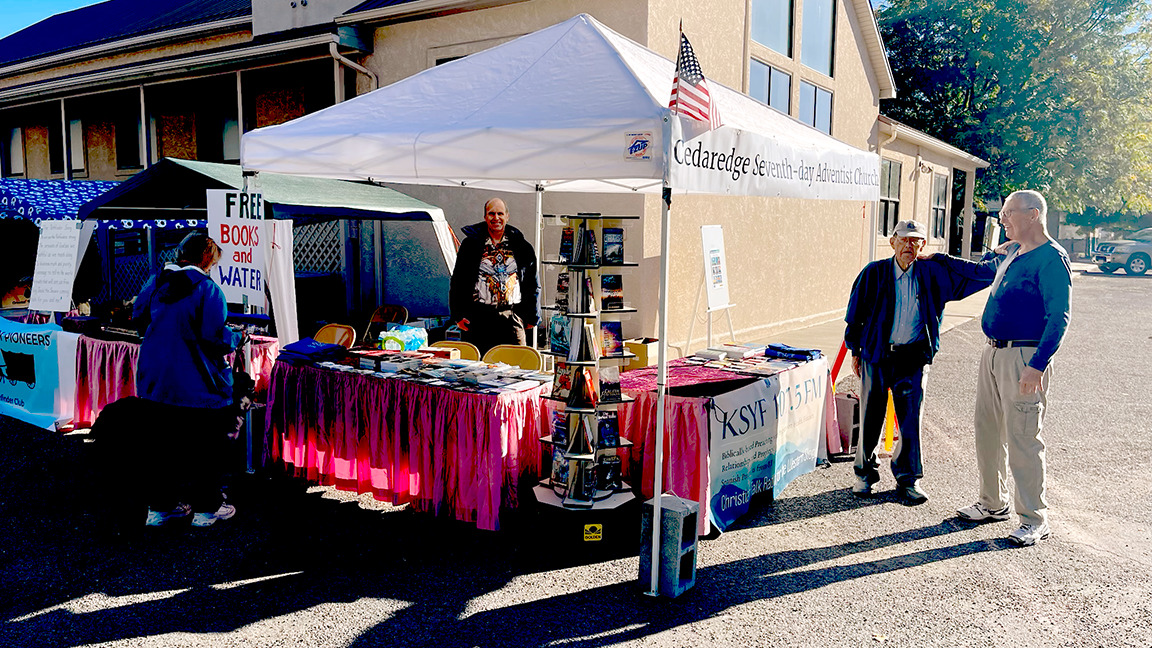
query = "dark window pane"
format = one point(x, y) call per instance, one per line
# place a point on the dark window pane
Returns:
point(772, 24)
point(758, 82)
point(823, 111)
point(128, 142)
point(816, 39)
point(807, 103)
point(781, 91)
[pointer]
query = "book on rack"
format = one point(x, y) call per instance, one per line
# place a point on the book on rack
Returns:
point(559, 334)
point(559, 428)
point(613, 245)
point(562, 380)
point(585, 388)
point(585, 344)
point(579, 241)
point(566, 245)
point(576, 342)
point(581, 436)
point(559, 468)
point(611, 292)
point(588, 297)
point(611, 339)
point(608, 428)
point(592, 252)
point(608, 473)
point(610, 384)
point(562, 292)
point(583, 485)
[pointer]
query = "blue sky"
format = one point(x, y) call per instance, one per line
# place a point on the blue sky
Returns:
point(18, 14)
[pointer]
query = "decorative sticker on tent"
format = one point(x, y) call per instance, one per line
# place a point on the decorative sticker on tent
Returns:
point(638, 146)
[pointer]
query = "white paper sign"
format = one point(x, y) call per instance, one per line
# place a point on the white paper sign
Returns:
point(236, 223)
point(715, 266)
point(57, 257)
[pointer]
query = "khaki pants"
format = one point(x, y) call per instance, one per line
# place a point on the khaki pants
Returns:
point(1008, 426)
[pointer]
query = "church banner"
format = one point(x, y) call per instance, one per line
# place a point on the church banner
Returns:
point(730, 161)
point(763, 436)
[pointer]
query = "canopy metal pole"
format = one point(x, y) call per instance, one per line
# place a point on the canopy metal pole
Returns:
point(662, 370)
point(539, 268)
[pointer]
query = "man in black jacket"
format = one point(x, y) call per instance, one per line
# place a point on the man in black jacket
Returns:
point(893, 331)
point(494, 290)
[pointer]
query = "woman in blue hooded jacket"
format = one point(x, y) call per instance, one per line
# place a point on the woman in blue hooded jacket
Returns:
point(182, 369)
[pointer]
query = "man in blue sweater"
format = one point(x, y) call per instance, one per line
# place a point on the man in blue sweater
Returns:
point(1025, 321)
point(893, 331)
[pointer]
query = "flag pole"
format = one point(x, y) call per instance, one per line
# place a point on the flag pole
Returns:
point(662, 360)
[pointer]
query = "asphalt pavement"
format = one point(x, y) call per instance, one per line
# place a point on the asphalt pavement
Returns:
point(310, 566)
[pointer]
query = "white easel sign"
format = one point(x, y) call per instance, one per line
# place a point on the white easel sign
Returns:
point(235, 222)
point(57, 259)
point(715, 266)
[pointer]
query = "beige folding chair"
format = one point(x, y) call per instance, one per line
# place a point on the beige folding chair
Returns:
point(341, 334)
point(468, 351)
point(524, 357)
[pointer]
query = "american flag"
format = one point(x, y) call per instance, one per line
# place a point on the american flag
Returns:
point(690, 95)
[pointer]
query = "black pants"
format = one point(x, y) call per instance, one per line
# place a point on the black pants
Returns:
point(489, 326)
point(188, 457)
point(905, 375)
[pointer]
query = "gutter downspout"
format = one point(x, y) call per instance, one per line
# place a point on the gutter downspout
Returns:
point(876, 205)
point(354, 65)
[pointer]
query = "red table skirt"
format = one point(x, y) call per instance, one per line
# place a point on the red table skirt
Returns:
point(441, 450)
point(106, 372)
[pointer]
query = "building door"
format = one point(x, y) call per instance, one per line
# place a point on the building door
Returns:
point(956, 213)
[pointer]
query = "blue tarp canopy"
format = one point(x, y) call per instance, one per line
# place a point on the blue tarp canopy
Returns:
point(39, 200)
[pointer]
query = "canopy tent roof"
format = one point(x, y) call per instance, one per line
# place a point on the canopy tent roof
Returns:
point(37, 200)
point(172, 193)
point(177, 186)
point(575, 105)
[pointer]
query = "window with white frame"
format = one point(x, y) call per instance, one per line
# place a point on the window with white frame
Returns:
point(770, 85)
point(940, 206)
point(889, 197)
point(818, 35)
point(77, 147)
point(12, 152)
point(816, 107)
point(772, 25)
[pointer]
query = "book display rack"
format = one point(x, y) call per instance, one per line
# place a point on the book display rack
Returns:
point(586, 343)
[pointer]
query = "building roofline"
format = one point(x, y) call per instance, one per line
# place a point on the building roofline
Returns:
point(874, 44)
point(151, 68)
point(112, 47)
point(906, 133)
point(416, 8)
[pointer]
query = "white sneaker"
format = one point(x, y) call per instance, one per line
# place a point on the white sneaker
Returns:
point(980, 513)
point(1028, 534)
point(160, 518)
point(225, 511)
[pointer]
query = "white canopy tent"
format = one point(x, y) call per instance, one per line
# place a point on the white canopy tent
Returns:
point(575, 107)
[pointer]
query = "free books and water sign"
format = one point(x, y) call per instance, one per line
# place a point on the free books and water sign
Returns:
point(763, 436)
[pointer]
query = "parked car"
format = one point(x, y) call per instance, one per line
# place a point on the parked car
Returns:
point(1133, 253)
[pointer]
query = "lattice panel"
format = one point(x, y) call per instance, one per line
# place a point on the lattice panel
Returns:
point(129, 275)
point(317, 247)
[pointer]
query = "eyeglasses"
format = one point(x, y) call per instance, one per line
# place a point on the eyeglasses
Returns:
point(909, 240)
point(1009, 212)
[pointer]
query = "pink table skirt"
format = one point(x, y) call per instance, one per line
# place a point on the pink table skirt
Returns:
point(441, 450)
point(106, 372)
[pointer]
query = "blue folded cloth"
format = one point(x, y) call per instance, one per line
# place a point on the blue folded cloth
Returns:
point(777, 350)
point(308, 351)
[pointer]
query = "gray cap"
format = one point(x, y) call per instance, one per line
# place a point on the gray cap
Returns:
point(910, 229)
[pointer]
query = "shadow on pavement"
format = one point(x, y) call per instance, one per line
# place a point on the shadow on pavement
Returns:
point(70, 578)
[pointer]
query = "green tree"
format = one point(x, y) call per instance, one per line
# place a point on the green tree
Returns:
point(1055, 94)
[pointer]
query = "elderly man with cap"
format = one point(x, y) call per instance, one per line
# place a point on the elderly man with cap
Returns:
point(893, 331)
